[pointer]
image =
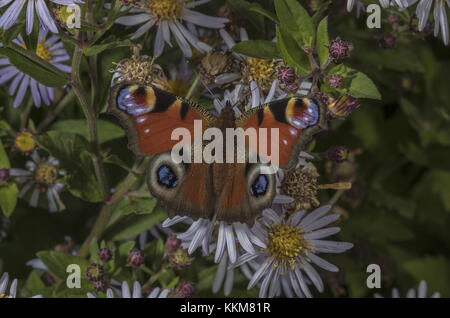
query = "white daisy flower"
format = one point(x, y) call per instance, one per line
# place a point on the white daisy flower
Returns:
point(168, 16)
point(45, 18)
point(125, 292)
point(292, 246)
point(41, 175)
point(4, 281)
point(422, 292)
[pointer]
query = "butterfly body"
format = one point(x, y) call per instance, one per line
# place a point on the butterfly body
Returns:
point(231, 191)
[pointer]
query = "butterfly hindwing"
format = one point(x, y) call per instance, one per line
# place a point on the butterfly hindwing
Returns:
point(297, 120)
point(151, 115)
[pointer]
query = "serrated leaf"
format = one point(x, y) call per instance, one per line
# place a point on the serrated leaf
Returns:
point(363, 87)
point(257, 48)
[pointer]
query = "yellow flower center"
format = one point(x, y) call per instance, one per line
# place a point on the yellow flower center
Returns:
point(25, 141)
point(45, 174)
point(262, 71)
point(285, 243)
point(166, 9)
point(178, 87)
point(43, 52)
point(4, 296)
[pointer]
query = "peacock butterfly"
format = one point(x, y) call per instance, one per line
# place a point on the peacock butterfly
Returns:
point(231, 192)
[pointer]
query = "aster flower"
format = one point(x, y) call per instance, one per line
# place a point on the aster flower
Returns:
point(50, 49)
point(261, 71)
point(168, 15)
point(24, 142)
point(125, 292)
point(4, 281)
point(46, 20)
point(422, 292)
point(42, 176)
point(293, 243)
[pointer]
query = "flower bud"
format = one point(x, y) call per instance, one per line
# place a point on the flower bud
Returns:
point(286, 75)
point(343, 106)
point(185, 290)
point(340, 49)
point(180, 259)
point(136, 258)
point(172, 244)
point(95, 272)
point(388, 42)
point(337, 154)
point(335, 80)
point(100, 285)
point(105, 254)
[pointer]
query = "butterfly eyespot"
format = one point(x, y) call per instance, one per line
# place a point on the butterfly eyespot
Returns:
point(167, 177)
point(302, 113)
point(259, 186)
point(136, 100)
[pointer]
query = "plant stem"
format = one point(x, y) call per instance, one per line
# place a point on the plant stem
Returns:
point(193, 87)
point(91, 117)
point(108, 207)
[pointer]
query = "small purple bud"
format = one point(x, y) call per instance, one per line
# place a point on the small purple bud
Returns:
point(335, 81)
point(95, 272)
point(286, 75)
point(340, 49)
point(185, 290)
point(100, 285)
point(136, 258)
point(105, 254)
point(172, 244)
point(337, 154)
point(4, 175)
point(388, 42)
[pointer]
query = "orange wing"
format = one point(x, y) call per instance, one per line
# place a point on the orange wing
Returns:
point(296, 120)
point(151, 114)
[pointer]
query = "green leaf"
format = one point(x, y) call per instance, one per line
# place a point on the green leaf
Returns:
point(297, 21)
point(32, 65)
point(363, 87)
point(8, 198)
point(133, 205)
point(323, 41)
point(107, 131)
point(9, 192)
point(366, 128)
point(256, 7)
point(97, 49)
point(131, 225)
point(292, 54)
point(57, 263)
point(73, 152)
point(244, 10)
point(257, 48)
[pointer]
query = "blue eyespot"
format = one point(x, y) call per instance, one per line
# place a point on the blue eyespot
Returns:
point(167, 177)
point(309, 117)
point(134, 100)
point(259, 186)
